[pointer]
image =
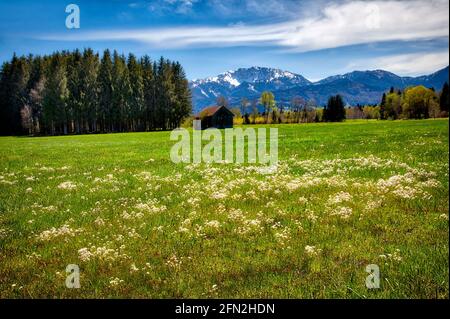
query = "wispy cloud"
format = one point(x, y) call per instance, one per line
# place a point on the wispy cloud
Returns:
point(404, 64)
point(337, 25)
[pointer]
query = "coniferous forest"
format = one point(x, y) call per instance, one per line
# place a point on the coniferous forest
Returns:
point(82, 92)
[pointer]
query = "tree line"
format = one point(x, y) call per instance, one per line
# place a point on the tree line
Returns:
point(299, 110)
point(415, 103)
point(80, 92)
point(411, 103)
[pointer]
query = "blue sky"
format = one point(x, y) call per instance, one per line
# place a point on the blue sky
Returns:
point(315, 38)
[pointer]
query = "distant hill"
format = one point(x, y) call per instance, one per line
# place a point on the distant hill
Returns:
point(358, 87)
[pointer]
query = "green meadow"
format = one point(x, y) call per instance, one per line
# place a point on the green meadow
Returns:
point(344, 196)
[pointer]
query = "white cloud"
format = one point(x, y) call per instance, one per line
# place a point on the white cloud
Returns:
point(405, 64)
point(347, 23)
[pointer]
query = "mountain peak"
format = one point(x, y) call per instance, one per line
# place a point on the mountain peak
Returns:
point(356, 87)
point(248, 82)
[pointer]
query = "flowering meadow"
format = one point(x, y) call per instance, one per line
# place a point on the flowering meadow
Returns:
point(343, 196)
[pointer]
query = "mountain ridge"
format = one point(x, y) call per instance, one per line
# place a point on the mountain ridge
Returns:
point(356, 87)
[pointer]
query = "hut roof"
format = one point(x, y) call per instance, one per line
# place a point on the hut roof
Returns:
point(210, 111)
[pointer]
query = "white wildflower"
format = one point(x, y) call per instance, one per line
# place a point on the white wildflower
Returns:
point(84, 254)
point(133, 268)
point(342, 212)
point(99, 222)
point(339, 198)
point(67, 186)
point(213, 224)
point(115, 282)
point(312, 250)
point(52, 233)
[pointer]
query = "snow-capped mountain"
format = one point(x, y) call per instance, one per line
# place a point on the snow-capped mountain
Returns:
point(358, 87)
point(376, 78)
point(243, 82)
point(255, 75)
point(361, 87)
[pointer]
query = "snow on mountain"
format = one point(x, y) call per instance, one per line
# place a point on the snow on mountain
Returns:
point(356, 87)
point(244, 82)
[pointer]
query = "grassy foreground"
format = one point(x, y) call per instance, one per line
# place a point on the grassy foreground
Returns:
point(344, 196)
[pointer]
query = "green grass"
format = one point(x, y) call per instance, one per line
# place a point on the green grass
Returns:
point(359, 192)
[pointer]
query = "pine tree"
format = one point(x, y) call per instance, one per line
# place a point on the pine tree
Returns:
point(36, 85)
point(183, 104)
point(335, 109)
point(89, 90)
point(149, 92)
point(444, 99)
point(136, 96)
point(55, 97)
point(106, 92)
point(5, 111)
point(383, 107)
point(74, 103)
point(164, 93)
point(15, 93)
point(120, 92)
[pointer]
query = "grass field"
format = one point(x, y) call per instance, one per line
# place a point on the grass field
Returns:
point(345, 196)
